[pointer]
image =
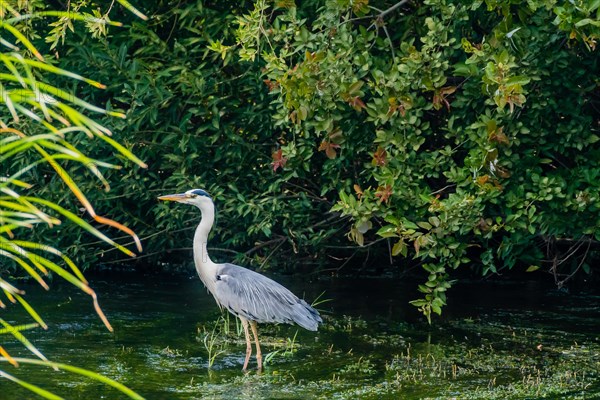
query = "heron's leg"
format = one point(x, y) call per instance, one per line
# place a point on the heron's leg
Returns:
point(258, 352)
point(248, 342)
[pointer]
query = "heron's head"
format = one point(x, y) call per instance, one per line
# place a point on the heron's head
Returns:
point(197, 197)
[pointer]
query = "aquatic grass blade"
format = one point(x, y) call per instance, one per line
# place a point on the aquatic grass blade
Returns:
point(62, 14)
point(8, 228)
point(32, 388)
point(5, 354)
point(132, 9)
point(6, 146)
point(83, 372)
point(23, 327)
point(75, 219)
point(26, 207)
point(30, 310)
point(8, 62)
point(56, 252)
point(62, 72)
point(33, 258)
point(124, 151)
point(9, 104)
point(66, 275)
point(8, 44)
point(27, 97)
point(87, 205)
point(8, 294)
point(15, 32)
point(80, 119)
point(14, 181)
point(26, 267)
point(72, 153)
point(51, 91)
point(21, 338)
point(9, 290)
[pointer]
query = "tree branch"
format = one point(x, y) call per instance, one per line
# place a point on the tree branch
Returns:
point(392, 9)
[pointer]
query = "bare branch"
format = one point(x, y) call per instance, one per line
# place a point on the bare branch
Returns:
point(392, 8)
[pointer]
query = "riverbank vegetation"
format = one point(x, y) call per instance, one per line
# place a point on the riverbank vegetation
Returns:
point(379, 135)
point(434, 138)
point(374, 137)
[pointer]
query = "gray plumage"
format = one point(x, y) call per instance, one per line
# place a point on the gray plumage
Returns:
point(258, 298)
point(250, 296)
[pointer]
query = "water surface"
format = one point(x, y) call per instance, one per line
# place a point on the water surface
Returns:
point(495, 340)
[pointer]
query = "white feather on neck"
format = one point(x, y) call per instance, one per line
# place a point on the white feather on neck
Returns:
point(207, 270)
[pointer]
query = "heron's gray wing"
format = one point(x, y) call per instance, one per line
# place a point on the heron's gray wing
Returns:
point(257, 298)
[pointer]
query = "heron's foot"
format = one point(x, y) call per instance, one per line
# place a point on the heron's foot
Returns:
point(259, 370)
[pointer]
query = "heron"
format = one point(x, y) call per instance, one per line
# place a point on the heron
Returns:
point(248, 295)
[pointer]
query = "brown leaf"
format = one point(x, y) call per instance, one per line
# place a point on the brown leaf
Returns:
point(502, 172)
point(445, 91)
point(417, 245)
point(356, 103)
point(272, 85)
point(482, 180)
point(379, 157)
point(329, 149)
point(278, 160)
point(358, 191)
point(383, 193)
point(439, 97)
point(499, 136)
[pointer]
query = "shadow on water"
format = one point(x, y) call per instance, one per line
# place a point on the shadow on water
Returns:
point(495, 341)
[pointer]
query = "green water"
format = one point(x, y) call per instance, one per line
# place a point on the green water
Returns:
point(495, 341)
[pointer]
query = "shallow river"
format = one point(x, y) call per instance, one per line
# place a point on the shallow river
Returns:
point(494, 341)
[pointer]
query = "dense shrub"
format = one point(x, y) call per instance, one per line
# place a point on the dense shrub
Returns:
point(457, 134)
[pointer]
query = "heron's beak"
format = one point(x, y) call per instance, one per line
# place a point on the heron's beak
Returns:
point(173, 197)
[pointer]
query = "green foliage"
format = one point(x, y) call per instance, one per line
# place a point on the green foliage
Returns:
point(465, 133)
point(450, 136)
point(200, 120)
point(42, 128)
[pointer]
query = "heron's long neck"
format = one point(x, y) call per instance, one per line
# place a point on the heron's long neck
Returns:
point(204, 265)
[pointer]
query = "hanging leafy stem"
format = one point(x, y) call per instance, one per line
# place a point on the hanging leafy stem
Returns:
point(41, 128)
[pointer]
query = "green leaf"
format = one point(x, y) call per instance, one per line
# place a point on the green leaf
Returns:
point(409, 225)
point(387, 231)
point(399, 248)
point(586, 21)
point(532, 268)
point(465, 70)
point(424, 225)
point(418, 303)
point(518, 80)
point(435, 221)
